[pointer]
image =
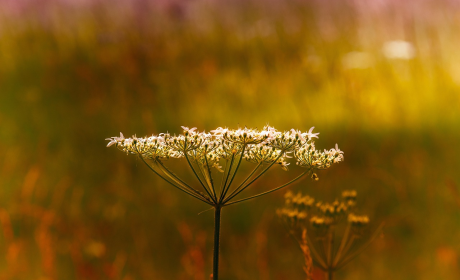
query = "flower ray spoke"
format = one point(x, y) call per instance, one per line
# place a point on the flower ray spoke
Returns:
point(234, 173)
point(270, 191)
point(245, 180)
point(198, 177)
point(173, 176)
point(199, 197)
point(253, 180)
point(208, 169)
point(226, 178)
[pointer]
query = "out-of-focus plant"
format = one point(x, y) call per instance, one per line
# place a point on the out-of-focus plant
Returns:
point(319, 227)
point(205, 151)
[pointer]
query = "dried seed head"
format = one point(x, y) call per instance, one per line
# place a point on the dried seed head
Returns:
point(321, 222)
point(350, 197)
point(358, 221)
point(349, 194)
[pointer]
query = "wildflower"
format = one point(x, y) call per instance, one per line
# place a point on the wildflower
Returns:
point(310, 133)
point(189, 131)
point(115, 140)
point(288, 140)
point(307, 156)
point(205, 151)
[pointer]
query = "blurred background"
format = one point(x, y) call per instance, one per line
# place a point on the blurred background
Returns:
point(381, 78)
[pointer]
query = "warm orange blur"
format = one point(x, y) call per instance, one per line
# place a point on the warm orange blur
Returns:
point(380, 78)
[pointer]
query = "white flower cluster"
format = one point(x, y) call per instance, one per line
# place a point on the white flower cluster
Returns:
point(265, 146)
point(308, 156)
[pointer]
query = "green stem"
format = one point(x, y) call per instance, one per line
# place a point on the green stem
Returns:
point(330, 275)
point(215, 266)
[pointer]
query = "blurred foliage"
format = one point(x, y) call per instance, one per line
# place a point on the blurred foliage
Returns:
point(73, 73)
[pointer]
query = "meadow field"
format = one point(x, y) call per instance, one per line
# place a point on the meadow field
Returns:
point(380, 78)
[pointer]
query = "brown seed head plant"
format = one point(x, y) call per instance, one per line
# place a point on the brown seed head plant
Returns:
point(330, 235)
point(205, 152)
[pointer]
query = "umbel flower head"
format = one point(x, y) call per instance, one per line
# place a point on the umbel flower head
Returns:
point(223, 150)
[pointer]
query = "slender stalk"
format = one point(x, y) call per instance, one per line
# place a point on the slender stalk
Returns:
point(330, 255)
point(210, 177)
point(234, 173)
point(250, 175)
point(226, 178)
point(198, 177)
point(267, 192)
point(330, 248)
point(215, 266)
point(194, 172)
point(319, 258)
point(348, 247)
point(342, 245)
point(223, 177)
point(362, 248)
point(245, 180)
point(174, 177)
point(322, 242)
point(205, 176)
point(197, 196)
point(253, 180)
